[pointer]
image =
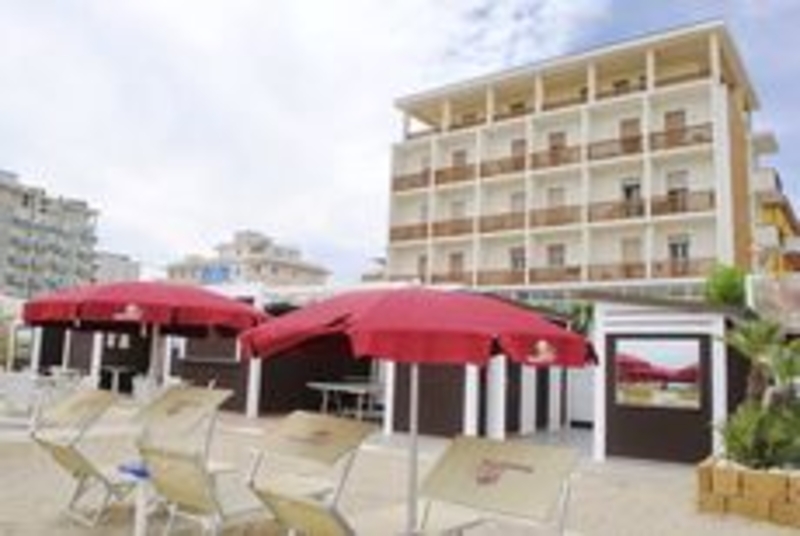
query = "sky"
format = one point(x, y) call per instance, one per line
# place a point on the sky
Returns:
point(183, 121)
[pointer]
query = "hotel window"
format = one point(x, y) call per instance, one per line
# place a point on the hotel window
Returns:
point(678, 190)
point(630, 133)
point(675, 127)
point(632, 197)
point(621, 86)
point(556, 255)
point(456, 263)
point(516, 257)
point(517, 201)
point(459, 158)
point(557, 141)
point(678, 247)
point(518, 147)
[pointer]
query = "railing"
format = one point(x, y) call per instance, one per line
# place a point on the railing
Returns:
point(616, 210)
point(557, 156)
point(411, 181)
point(682, 202)
point(421, 133)
point(502, 222)
point(501, 277)
point(622, 90)
point(414, 231)
point(680, 78)
point(615, 147)
point(682, 267)
point(463, 277)
point(509, 164)
point(563, 102)
point(681, 137)
point(511, 113)
point(562, 215)
point(625, 270)
point(453, 227)
point(467, 123)
point(455, 174)
point(554, 274)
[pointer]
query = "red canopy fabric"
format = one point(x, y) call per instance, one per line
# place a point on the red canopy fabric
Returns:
point(423, 325)
point(172, 307)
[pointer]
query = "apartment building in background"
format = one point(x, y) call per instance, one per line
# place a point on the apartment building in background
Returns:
point(46, 242)
point(250, 258)
point(111, 267)
point(631, 166)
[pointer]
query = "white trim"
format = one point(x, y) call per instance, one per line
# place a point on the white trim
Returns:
point(599, 425)
point(554, 423)
point(389, 371)
point(255, 366)
point(472, 391)
point(528, 407)
point(719, 385)
point(496, 398)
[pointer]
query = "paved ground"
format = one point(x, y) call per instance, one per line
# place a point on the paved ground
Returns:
point(616, 498)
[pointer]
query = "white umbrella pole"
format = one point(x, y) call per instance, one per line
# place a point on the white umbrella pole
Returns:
point(154, 370)
point(413, 431)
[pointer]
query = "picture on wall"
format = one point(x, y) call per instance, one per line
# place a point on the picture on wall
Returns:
point(657, 372)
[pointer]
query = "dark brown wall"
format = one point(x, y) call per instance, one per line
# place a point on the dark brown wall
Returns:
point(225, 373)
point(659, 433)
point(441, 399)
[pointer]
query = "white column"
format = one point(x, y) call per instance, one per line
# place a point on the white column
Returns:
point(719, 384)
point(538, 96)
point(528, 409)
point(97, 358)
point(496, 398)
point(66, 349)
point(490, 104)
point(586, 197)
point(12, 343)
point(599, 429)
point(447, 118)
point(650, 62)
point(721, 155)
point(472, 391)
point(389, 369)
point(478, 209)
point(554, 398)
point(253, 388)
point(591, 82)
point(36, 350)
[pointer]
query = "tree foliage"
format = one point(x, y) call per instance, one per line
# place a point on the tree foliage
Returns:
point(725, 285)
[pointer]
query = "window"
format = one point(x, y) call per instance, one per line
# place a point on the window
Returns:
point(621, 86)
point(630, 132)
point(516, 257)
point(556, 255)
point(675, 120)
point(678, 248)
point(517, 107)
point(459, 158)
point(456, 263)
point(557, 141)
point(632, 197)
point(517, 201)
point(677, 190)
point(518, 147)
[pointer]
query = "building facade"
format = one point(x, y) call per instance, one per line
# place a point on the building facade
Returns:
point(630, 166)
point(250, 257)
point(111, 267)
point(46, 242)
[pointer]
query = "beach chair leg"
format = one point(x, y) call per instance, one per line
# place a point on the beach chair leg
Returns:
point(170, 519)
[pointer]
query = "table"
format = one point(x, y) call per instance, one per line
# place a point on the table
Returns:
point(116, 371)
point(361, 390)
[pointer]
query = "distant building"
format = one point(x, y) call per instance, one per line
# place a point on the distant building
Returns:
point(377, 271)
point(110, 267)
point(250, 257)
point(46, 242)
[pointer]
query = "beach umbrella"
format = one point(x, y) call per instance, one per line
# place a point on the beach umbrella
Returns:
point(164, 308)
point(416, 325)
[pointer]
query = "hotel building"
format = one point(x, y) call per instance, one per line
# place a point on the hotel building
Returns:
point(46, 242)
point(630, 166)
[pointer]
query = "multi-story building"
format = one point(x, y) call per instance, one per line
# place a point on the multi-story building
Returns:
point(250, 257)
point(628, 166)
point(110, 267)
point(45, 242)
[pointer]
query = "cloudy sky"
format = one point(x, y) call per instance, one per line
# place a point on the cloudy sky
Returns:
point(184, 120)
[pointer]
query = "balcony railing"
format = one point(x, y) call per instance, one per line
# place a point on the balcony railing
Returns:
point(616, 210)
point(564, 102)
point(681, 137)
point(682, 202)
point(463, 277)
point(455, 174)
point(511, 113)
point(415, 231)
point(634, 87)
point(502, 222)
point(453, 227)
point(501, 277)
point(554, 274)
point(509, 164)
point(411, 181)
point(681, 78)
point(625, 270)
point(556, 156)
point(421, 133)
point(615, 147)
point(682, 267)
point(563, 215)
point(467, 123)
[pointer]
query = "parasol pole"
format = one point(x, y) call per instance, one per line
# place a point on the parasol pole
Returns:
point(413, 430)
point(154, 336)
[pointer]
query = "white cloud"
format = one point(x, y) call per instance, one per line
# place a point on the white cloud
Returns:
point(183, 120)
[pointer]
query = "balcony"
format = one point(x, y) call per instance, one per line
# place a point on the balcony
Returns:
point(455, 174)
point(502, 222)
point(563, 102)
point(501, 277)
point(682, 137)
point(556, 156)
point(626, 89)
point(463, 278)
point(563, 215)
point(616, 210)
point(501, 166)
point(512, 113)
point(411, 181)
point(682, 202)
point(555, 274)
point(610, 272)
point(682, 78)
point(682, 267)
point(421, 133)
point(614, 148)
point(414, 231)
point(455, 227)
point(467, 122)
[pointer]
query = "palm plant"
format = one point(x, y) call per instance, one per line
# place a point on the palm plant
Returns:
point(761, 342)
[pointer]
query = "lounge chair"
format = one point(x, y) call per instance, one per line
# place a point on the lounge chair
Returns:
point(474, 481)
point(59, 430)
point(325, 444)
point(192, 491)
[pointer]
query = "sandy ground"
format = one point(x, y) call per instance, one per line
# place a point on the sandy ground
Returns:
point(616, 498)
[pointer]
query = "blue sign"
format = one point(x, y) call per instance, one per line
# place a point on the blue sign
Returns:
point(215, 273)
